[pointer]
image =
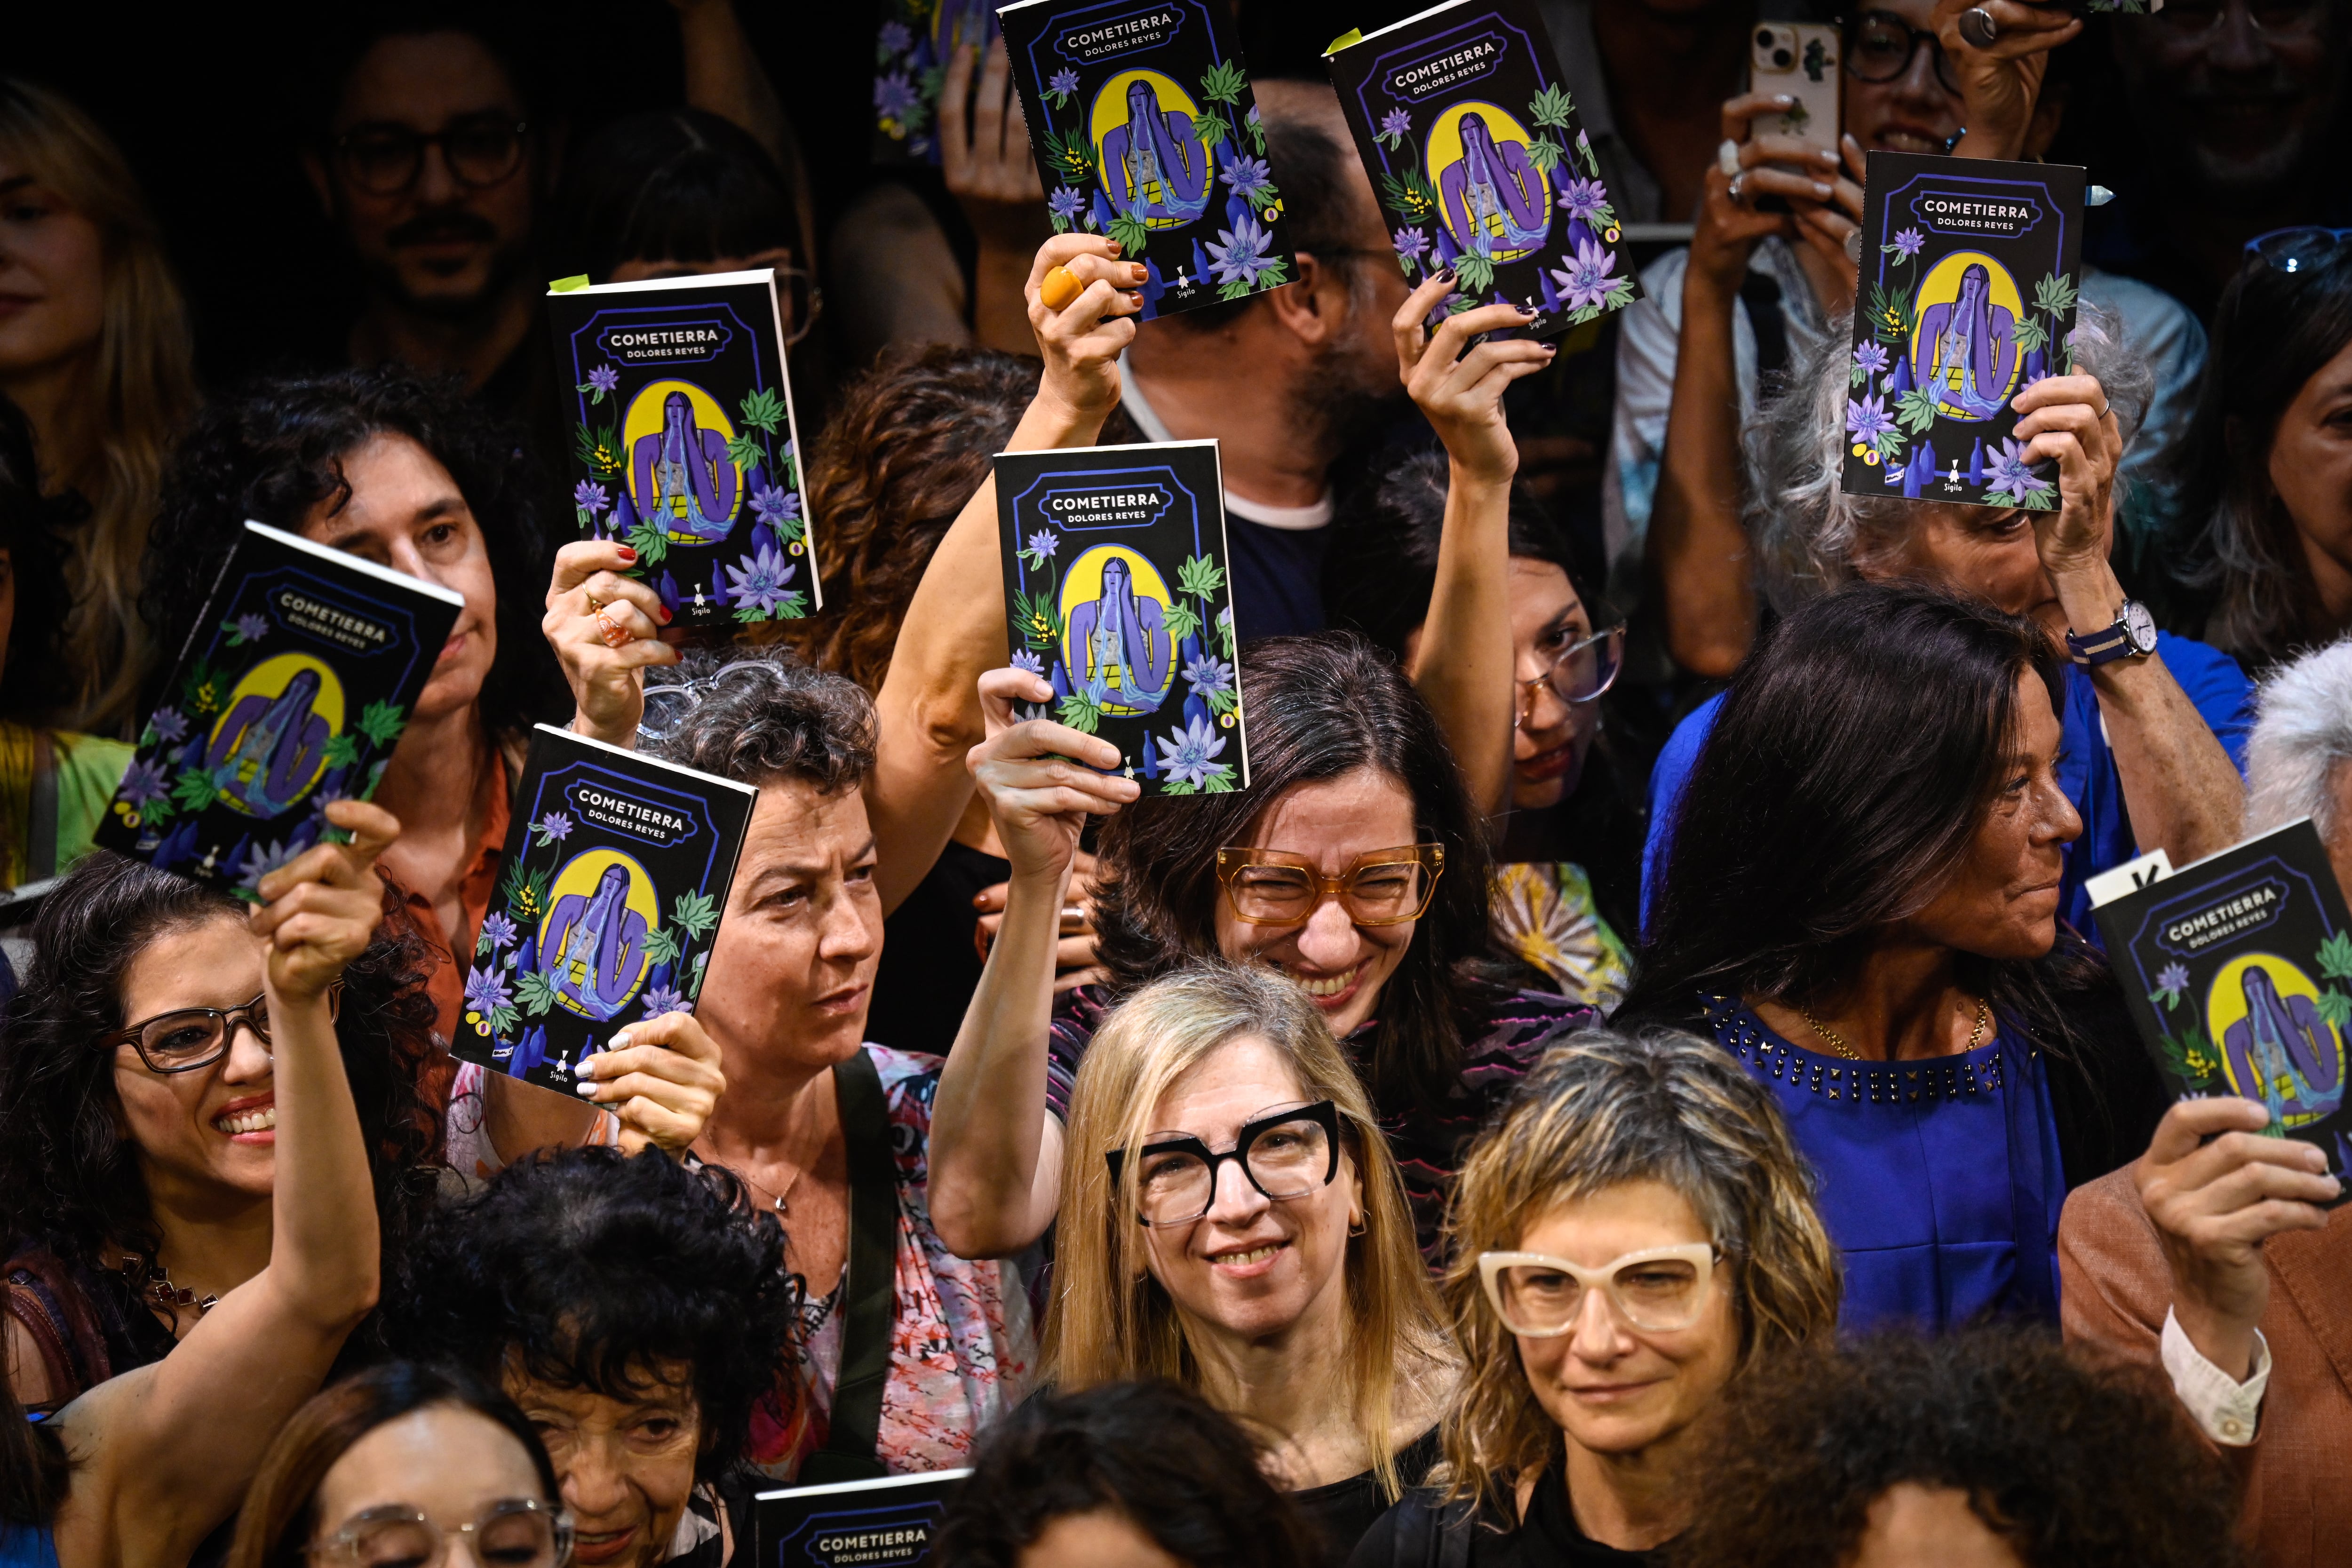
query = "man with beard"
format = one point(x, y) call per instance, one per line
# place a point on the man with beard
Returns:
point(1285, 381)
point(433, 168)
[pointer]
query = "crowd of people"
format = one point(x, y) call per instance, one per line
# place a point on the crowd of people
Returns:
point(1633, 1079)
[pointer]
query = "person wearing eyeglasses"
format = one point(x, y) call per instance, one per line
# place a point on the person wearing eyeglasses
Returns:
point(1232, 1220)
point(1634, 1234)
point(1768, 279)
point(1567, 873)
point(2267, 501)
point(209, 1143)
point(411, 1463)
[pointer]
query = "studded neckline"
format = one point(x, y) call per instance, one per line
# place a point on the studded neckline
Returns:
point(1921, 1082)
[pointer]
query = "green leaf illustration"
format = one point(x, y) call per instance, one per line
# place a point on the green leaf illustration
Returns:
point(524, 893)
point(792, 606)
point(343, 750)
point(2054, 295)
point(1890, 312)
point(158, 812)
point(1130, 234)
point(1890, 444)
point(651, 544)
point(2335, 1006)
point(1223, 702)
point(1220, 783)
point(599, 450)
point(1225, 629)
point(1916, 410)
point(1081, 712)
point(1180, 620)
point(2033, 500)
point(383, 722)
point(1201, 577)
point(1034, 613)
point(744, 449)
point(535, 992)
point(1224, 82)
point(195, 789)
point(694, 976)
point(1208, 131)
point(661, 945)
point(1551, 108)
point(1544, 154)
point(204, 689)
point(763, 409)
point(696, 912)
point(2336, 957)
point(1069, 159)
point(1410, 195)
point(2030, 335)
point(1475, 272)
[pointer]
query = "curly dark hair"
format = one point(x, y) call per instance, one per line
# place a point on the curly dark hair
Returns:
point(34, 682)
point(592, 1268)
point(764, 715)
point(1180, 1470)
point(1319, 707)
point(2073, 1464)
point(273, 452)
point(69, 1177)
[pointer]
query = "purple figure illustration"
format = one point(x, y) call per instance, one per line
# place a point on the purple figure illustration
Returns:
point(272, 747)
point(685, 483)
point(1966, 349)
point(1154, 162)
point(1495, 199)
point(595, 948)
point(1120, 640)
point(2283, 1053)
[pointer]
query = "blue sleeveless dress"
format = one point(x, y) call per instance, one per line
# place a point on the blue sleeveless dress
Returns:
point(1939, 1180)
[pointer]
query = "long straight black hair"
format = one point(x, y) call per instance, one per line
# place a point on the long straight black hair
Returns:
point(1318, 708)
point(1854, 759)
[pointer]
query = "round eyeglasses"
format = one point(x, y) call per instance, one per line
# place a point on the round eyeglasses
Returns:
point(383, 159)
point(187, 1038)
point(1382, 887)
point(1538, 1296)
point(520, 1533)
point(668, 706)
point(1286, 1153)
point(1881, 45)
point(1578, 674)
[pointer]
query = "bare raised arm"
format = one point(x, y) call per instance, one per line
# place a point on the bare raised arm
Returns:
point(995, 1150)
point(164, 1452)
point(954, 628)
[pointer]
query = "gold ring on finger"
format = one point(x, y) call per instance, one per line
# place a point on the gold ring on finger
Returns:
point(596, 605)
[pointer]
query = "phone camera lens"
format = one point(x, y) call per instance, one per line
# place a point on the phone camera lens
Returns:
point(1764, 38)
point(1783, 58)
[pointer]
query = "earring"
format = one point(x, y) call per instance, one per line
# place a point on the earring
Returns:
point(1357, 1227)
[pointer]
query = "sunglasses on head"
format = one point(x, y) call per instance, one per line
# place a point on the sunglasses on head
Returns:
point(2300, 250)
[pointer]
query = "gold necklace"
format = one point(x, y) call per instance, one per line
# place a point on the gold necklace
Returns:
point(1837, 1041)
point(751, 1180)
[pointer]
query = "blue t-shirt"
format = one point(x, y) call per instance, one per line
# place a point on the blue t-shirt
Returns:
point(1277, 578)
point(2223, 697)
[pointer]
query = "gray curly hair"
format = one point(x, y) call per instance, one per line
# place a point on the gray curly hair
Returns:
point(2302, 736)
point(762, 715)
point(1809, 535)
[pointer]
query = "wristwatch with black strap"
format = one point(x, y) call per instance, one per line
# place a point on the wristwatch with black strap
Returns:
point(2133, 635)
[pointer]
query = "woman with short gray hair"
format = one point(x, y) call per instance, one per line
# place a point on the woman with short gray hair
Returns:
point(2154, 724)
point(2299, 762)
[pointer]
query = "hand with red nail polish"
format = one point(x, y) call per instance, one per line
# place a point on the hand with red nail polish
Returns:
point(606, 630)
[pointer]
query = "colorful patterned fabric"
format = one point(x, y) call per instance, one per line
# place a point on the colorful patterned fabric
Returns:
point(1544, 913)
point(963, 1343)
point(1428, 1137)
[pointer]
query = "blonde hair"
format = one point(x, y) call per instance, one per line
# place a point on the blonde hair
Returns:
point(140, 387)
point(1110, 1319)
point(1599, 1109)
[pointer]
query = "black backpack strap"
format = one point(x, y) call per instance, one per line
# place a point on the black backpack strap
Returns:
point(867, 1301)
point(41, 815)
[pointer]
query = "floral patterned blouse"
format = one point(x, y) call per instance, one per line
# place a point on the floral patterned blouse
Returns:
point(963, 1343)
point(1545, 914)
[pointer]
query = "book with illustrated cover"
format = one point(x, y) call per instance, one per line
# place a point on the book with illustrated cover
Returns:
point(1117, 581)
point(889, 1522)
point(1145, 132)
point(2238, 969)
point(1481, 163)
point(683, 445)
point(291, 693)
point(913, 50)
point(617, 867)
point(1970, 273)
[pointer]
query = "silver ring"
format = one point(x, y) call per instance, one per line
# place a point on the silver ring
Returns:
point(1978, 27)
point(1739, 186)
point(1726, 158)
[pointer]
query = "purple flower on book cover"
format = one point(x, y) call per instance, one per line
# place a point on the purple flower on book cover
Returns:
point(1241, 257)
point(1396, 124)
point(1043, 543)
point(590, 497)
point(1247, 175)
point(1209, 676)
point(1410, 243)
point(171, 726)
point(1582, 199)
point(1587, 278)
point(553, 828)
point(1023, 659)
point(143, 781)
point(896, 39)
point(2171, 981)
point(660, 999)
point(486, 992)
point(1065, 203)
point(757, 581)
point(252, 627)
point(1190, 754)
point(1065, 81)
point(773, 505)
point(498, 931)
point(895, 97)
point(2005, 470)
point(1910, 242)
point(1870, 357)
point(264, 858)
point(1866, 419)
point(603, 379)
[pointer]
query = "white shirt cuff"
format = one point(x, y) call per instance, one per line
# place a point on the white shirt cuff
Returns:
point(2223, 1408)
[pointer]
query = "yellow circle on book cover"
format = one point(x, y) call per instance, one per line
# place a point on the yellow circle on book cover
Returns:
point(274, 732)
point(1492, 197)
point(601, 908)
point(2275, 1046)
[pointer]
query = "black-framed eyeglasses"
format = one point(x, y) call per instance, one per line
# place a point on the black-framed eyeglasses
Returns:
point(1880, 46)
point(383, 158)
point(2188, 20)
point(518, 1532)
point(2302, 249)
point(1286, 1153)
point(1578, 674)
point(186, 1039)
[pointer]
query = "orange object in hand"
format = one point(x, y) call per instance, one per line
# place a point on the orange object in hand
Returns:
point(1060, 286)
